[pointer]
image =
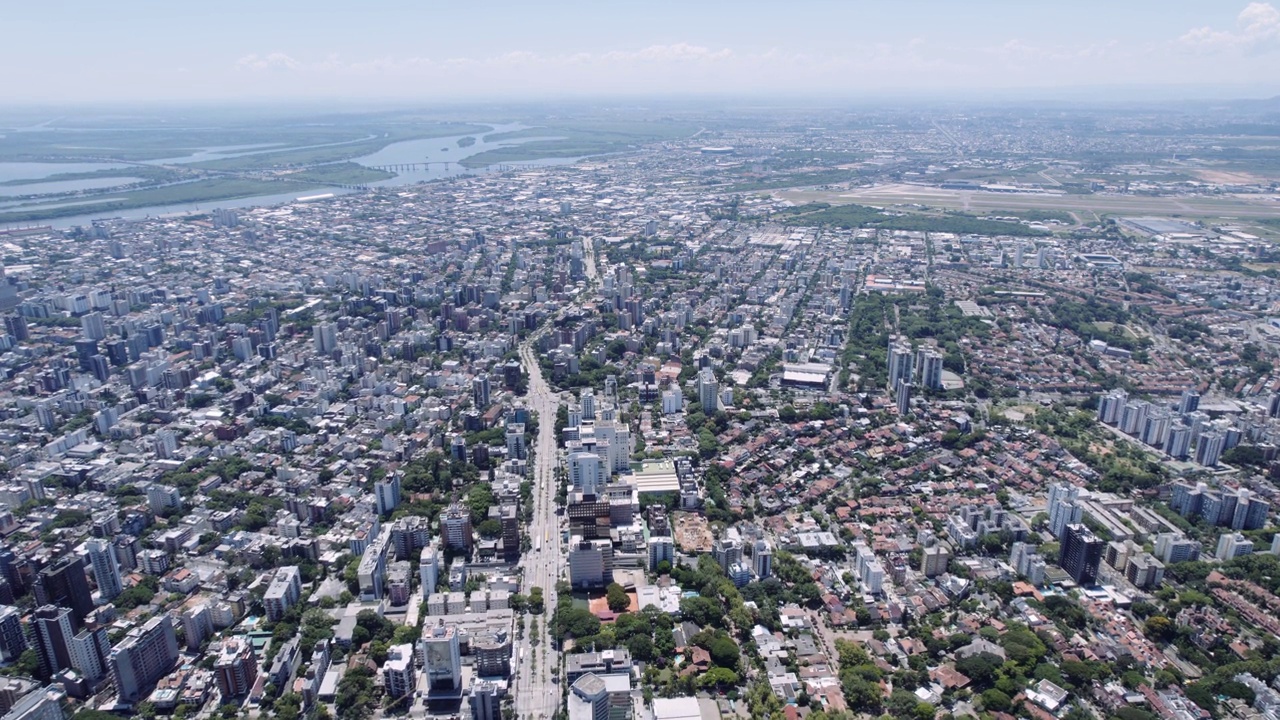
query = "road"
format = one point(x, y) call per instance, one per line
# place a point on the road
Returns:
point(536, 696)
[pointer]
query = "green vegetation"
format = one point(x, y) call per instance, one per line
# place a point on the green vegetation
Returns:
point(179, 194)
point(343, 173)
point(1061, 216)
point(467, 141)
point(852, 217)
point(578, 139)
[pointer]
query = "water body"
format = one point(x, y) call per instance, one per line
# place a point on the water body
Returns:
point(35, 171)
point(406, 152)
point(61, 186)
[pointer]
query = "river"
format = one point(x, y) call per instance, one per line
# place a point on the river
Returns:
point(442, 152)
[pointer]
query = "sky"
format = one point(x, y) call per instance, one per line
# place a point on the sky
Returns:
point(88, 51)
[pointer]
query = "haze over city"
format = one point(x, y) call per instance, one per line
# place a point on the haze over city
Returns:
point(242, 50)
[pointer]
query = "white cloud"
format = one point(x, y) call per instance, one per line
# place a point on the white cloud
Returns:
point(1257, 29)
point(270, 61)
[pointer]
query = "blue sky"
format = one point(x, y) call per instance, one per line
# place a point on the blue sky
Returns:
point(139, 50)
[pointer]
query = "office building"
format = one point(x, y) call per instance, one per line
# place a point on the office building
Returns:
point(236, 668)
point(106, 571)
point(59, 647)
point(1080, 554)
point(12, 639)
point(587, 472)
point(441, 657)
point(64, 584)
point(590, 562)
point(485, 699)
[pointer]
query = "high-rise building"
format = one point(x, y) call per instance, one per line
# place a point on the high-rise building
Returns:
point(1209, 448)
point(46, 704)
point(708, 391)
point(480, 391)
point(398, 674)
point(106, 571)
point(485, 699)
point(283, 593)
point(441, 658)
point(236, 668)
point(1080, 554)
point(16, 325)
point(325, 336)
point(145, 655)
point(197, 624)
point(934, 561)
point(1111, 406)
point(94, 326)
point(1189, 403)
point(1174, 548)
point(587, 472)
point(1064, 508)
point(1144, 571)
point(902, 397)
point(59, 647)
point(12, 640)
point(386, 493)
point(900, 365)
point(929, 360)
point(1233, 545)
point(761, 559)
point(590, 562)
point(660, 549)
point(64, 584)
point(1250, 511)
point(457, 527)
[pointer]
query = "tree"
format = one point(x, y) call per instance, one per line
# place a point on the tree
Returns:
point(719, 678)
point(995, 701)
point(617, 598)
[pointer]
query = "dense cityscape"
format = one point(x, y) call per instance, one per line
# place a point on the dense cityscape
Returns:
point(837, 415)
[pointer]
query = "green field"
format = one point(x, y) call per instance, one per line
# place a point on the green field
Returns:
point(852, 217)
